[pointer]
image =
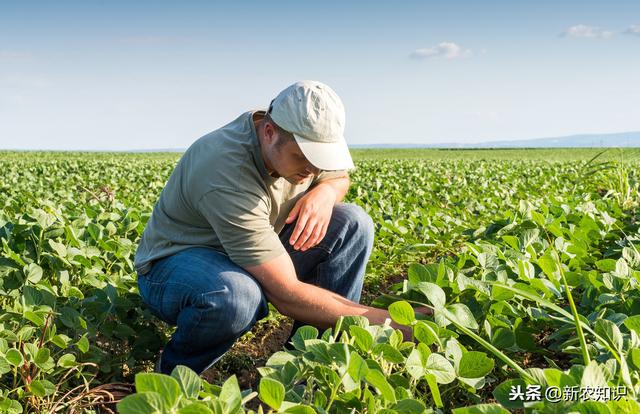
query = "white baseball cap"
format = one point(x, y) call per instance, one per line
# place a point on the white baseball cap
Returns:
point(314, 114)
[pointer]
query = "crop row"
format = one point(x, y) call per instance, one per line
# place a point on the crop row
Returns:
point(504, 249)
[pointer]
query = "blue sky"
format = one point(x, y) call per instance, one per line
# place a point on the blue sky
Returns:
point(124, 75)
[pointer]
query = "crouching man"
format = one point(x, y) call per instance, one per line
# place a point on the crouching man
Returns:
point(252, 214)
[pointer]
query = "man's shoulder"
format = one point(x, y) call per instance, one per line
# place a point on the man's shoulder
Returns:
point(236, 133)
point(224, 157)
point(226, 145)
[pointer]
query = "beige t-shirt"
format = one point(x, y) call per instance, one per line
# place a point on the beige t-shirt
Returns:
point(220, 195)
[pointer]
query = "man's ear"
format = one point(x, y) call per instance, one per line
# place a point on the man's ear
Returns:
point(269, 133)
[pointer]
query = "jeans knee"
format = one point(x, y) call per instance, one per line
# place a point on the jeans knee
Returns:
point(237, 306)
point(359, 222)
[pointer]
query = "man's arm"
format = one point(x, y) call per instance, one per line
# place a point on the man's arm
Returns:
point(308, 303)
point(340, 186)
point(313, 212)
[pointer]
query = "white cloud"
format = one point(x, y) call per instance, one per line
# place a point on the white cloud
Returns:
point(634, 29)
point(585, 31)
point(445, 50)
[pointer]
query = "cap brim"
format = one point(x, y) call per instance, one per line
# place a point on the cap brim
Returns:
point(327, 156)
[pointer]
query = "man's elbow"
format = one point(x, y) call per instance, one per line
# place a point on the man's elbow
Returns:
point(284, 300)
point(283, 306)
point(279, 283)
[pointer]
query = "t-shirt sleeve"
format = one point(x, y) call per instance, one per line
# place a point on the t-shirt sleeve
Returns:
point(241, 223)
point(329, 175)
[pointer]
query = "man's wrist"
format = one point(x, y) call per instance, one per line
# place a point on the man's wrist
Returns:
point(328, 189)
point(339, 186)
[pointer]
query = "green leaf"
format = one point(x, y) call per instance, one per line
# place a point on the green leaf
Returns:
point(633, 323)
point(279, 359)
point(624, 406)
point(230, 394)
point(14, 357)
point(556, 378)
point(188, 380)
point(549, 266)
point(83, 344)
point(606, 265)
point(622, 268)
point(635, 357)
point(4, 365)
point(271, 392)
point(300, 409)
point(42, 356)
point(36, 318)
point(10, 407)
point(357, 367)
point(164, 385)
point(42, 388)
point(378, 380)
point(390, 354)
point(67, 360)
point(461, 314)
point(363, 338)
point(419, 273)
point(33, 273)
point(401, 312)
point(30, 351)
point(195, 408)
point(425, 334)
point(499, 294)
point(59, 248)
point(409, 406)
point(415, 364)
point(508, 393)
point(61, 340)
point(475, 364)
point(526, 270)
point(487, 260)
point(481, 409)
point(441, 368)
point(302, 334)
point(434, 294)
point(611, 332)
point(591, 407)
point(594, 375)
point(503, 338)
point(435, 391)
point(149, 402)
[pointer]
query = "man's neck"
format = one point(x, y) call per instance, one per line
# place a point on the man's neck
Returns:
point(258, 123)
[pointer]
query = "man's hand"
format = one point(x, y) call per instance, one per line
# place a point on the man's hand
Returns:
point(423, 310)
point(313, 212)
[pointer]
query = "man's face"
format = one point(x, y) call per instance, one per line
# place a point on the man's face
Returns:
point(289, 162)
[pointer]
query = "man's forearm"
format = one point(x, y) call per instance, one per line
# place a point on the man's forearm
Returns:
point(340, 186)
point(322, 308)
point(308, 303)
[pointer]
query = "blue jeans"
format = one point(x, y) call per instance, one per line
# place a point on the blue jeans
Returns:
point(213, 301)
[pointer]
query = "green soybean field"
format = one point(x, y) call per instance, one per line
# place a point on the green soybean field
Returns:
point(529, 260)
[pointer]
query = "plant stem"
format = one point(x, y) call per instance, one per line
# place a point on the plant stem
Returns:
point(495, 351)
point(574, 310)
point(334, 392)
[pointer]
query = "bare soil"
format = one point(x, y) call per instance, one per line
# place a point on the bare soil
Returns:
point(250, 353)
